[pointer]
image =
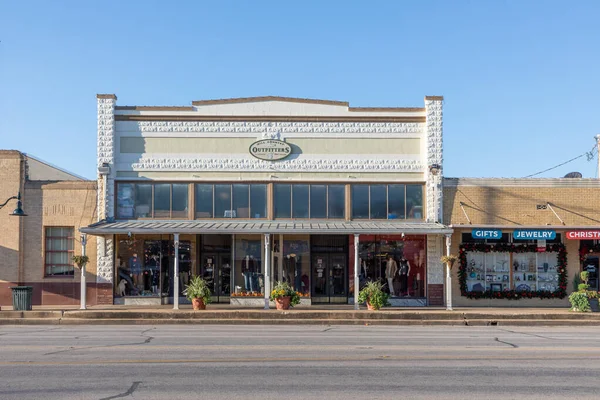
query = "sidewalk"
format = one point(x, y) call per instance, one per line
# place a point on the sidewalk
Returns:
point(314, 315)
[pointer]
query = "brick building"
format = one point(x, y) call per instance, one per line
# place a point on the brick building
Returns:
point(36, 250)
point(522, 241)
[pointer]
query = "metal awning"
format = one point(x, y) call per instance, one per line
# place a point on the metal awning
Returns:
point(254, 226)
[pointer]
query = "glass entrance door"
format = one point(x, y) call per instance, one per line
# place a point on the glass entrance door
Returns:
point(330, 278)
point(216, 271)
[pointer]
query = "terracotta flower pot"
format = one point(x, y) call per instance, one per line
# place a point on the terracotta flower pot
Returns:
point(198, 304)
point(283, 303)
point(370, 307)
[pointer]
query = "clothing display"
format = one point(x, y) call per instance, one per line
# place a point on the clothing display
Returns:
point(404, 271)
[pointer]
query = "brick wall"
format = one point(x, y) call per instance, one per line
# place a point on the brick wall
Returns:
point(512, 203)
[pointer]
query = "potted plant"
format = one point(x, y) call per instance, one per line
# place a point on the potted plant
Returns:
point(584, 300)
point(449, 260)
point(284, 296)
point(198, 292)
point(81, 261)
point(374, 296)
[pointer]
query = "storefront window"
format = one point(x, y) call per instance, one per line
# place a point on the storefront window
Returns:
point(258, 201)
point(414, 201)
point(125, 200)
point(394, 201)
point(143, 200)
point(283, 201)
point(204, 201)
point(398, 263)
point(162, 201)
point(223, 201)
point(378, 202)
point(318, 201)
point(336, 201)
point(145, 268)
point(231, 201)
point(360, 201)
point(249, 278)
point(300, 201)
point(397, 201)
point(294, 265)
point(180, 201)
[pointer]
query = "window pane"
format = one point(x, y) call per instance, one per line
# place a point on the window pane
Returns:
point(241, 204)
point(283, 207)
point(414, 201)
point(223, 201)
point(180, 201)
point(204, 201)
point(143, 200)
point(258, 201)
point(360, 201)
point(396, 202)
point(318, 201)
point(162, 200)
point(125, 197)
point(336, 201)
point(378, 202)
point(300, 201)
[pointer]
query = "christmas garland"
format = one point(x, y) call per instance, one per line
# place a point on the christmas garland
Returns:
point(559, 293)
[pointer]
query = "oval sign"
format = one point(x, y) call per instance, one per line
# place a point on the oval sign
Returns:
point(270, 149)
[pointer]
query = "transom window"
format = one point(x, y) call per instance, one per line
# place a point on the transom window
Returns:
point(152, 200)
point(393, 201)
point(58, 260)
point(309, 201)
point(231, 201)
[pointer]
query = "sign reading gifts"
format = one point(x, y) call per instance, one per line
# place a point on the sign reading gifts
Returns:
point(486, 234)
point(534, 234)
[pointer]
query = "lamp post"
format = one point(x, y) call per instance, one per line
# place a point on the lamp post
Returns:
point(18, 212)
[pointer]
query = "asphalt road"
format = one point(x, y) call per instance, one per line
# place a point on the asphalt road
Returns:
point(303, 362)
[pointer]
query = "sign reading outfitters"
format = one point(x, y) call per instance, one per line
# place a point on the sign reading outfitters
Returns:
point(270, 149)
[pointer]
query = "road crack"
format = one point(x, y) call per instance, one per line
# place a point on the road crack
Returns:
point(510, 344)
point(129, 392)
point(528, 334)
point(147, 340)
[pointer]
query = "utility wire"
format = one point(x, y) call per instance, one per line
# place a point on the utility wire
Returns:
point(588, 154)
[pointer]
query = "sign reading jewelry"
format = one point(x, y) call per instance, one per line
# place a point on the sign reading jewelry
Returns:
point(270, 149)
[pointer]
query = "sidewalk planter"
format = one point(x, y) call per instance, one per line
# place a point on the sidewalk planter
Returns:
point(594, 305)
point(198, 304)
point(198, 293)
point(374, 296)
point(283, 303)
point(21, 296)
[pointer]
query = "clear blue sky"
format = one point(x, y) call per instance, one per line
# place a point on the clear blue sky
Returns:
point(520, 78)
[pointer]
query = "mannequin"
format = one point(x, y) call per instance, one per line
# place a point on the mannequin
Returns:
point(248, 272)
point(390, 272)
point(404, 271)
point(135, 267)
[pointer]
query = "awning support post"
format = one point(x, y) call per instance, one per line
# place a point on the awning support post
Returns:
point(267, 269)
point(82, 291)
point(356, 269)
point(175, 276)
point(448, 277)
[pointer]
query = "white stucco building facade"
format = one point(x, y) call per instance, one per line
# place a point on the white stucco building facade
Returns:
point(245, 192)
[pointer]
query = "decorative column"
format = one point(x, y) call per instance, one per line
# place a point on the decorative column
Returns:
point(435, 271)
point(434, 171)
point(82, 291)
point(448, 277)
point(356, 268)
point(105, 203)
point(267, 269)
point(176, 273)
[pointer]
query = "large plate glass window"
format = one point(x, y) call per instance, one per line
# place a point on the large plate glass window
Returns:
point(309, 201)
point(231, 201)
point(393, 201)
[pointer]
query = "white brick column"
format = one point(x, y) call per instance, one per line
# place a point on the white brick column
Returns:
point(106, 195)
point(434, 131)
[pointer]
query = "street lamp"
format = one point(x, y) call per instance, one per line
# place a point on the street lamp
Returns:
point(18, 212)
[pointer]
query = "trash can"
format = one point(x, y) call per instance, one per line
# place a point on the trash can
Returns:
point(22, 298)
